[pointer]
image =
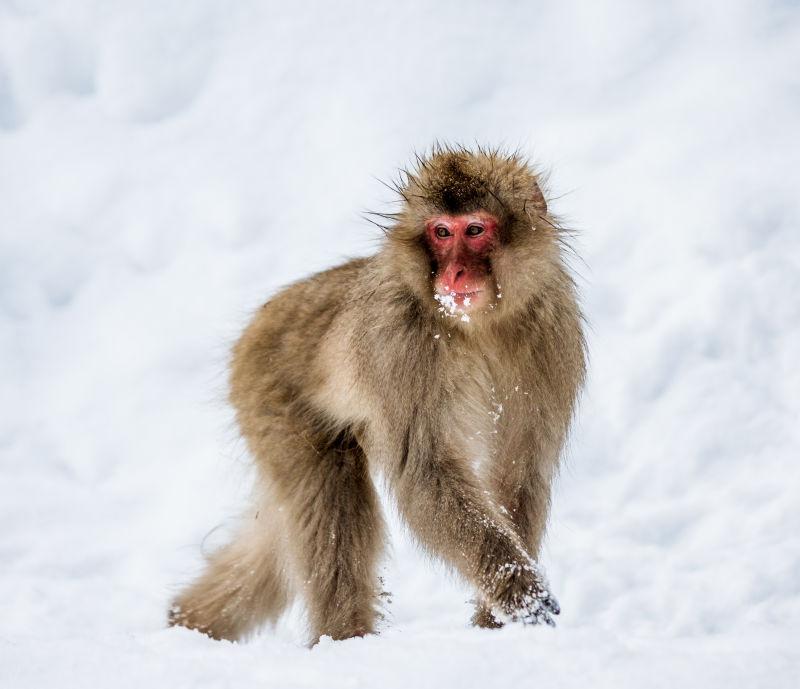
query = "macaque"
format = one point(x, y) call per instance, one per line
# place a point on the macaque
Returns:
point(449, 363)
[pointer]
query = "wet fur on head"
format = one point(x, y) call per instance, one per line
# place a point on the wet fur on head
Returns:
point(455, 180)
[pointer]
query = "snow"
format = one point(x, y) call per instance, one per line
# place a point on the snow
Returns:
point(448, 303)
point(165, 166)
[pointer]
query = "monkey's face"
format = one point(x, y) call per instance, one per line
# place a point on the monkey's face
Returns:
point(471, 223)
point(460, 247)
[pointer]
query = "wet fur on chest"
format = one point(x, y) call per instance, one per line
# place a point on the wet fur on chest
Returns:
point(472, 411)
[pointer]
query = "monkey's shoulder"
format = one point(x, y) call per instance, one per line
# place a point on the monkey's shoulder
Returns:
point(312, 299)
point(342, 274)
point(332, 284)
point(288, 331)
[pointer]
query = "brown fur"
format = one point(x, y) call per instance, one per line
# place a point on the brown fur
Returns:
point(357, 368)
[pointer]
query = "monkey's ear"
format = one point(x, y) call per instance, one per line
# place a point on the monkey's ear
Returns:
point(538, 199)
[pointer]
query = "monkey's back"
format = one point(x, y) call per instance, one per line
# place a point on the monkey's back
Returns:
point(273, 364)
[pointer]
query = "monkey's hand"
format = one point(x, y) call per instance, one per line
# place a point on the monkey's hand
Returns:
point(522, 594)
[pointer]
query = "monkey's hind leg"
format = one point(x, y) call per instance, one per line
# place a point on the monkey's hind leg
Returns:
point(334, 528)
point(243, 586)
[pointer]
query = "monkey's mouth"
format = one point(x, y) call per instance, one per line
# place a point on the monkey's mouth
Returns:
point(458, 302)
point(466, 298)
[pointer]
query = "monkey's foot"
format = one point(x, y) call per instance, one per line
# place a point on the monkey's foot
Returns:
point(178, 617)
point(525, 596)
point(539, 609)
point(484, 618)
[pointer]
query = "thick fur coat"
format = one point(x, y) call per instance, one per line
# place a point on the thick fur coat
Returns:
point(359, 369)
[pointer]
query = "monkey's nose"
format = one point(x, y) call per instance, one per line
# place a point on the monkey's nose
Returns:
point(453, 275)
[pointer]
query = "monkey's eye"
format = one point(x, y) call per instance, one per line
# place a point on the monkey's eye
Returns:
point(474, 230)
point(442, 231)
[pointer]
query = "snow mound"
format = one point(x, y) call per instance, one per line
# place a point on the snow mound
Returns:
point(165, 166)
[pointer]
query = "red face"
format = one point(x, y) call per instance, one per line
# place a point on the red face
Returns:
point(461, 245)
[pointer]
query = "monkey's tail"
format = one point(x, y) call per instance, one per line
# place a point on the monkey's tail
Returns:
point(244, 585)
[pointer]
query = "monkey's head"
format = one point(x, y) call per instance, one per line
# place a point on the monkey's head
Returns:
point(474, 239)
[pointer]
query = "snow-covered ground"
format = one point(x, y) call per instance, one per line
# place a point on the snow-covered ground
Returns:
point(166, 165)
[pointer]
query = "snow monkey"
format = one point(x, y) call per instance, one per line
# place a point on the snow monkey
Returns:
point(449, 364)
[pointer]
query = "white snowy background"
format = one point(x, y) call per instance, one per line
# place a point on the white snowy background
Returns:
point(166, 165)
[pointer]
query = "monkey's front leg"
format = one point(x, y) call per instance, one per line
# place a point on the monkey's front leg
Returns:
point(442, 502)
point(524, 493)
